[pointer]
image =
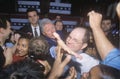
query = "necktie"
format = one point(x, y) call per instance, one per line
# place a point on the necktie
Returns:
point(35, 31)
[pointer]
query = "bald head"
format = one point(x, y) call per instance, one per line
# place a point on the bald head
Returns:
point(103, 72)
point(77, 39)
point(118, 9)
point(82, 33)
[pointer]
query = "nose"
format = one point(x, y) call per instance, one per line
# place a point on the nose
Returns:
point(19, 47)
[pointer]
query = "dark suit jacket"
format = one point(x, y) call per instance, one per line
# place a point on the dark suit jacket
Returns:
point(27, 29)
point(2, 58)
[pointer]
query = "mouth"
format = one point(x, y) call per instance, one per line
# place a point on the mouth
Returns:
point(19, 51)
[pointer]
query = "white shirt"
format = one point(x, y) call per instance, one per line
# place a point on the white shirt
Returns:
point(37, 29)
point(87, 62)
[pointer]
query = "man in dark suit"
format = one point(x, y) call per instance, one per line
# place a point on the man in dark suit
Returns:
point(32, 28)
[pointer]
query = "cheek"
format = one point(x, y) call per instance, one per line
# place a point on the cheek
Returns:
point(48, 34)
point(75, 48)
point(25, 49)
point(53, 30)
point(57, 27)
point(30, 19)
point(24, 52)
point(17, 48)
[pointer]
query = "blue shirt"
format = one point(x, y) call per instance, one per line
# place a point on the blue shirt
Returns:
point(70, 64)
point(9, 44)
point(53, 42)
point(113, 59)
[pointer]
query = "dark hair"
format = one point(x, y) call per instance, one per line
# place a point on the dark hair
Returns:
point(107, 18)
point(107, 72)
point(38, 48)
point(3, 22)
point(25, 37)
point(30, 10)
point(26, 69)
point(58, 21)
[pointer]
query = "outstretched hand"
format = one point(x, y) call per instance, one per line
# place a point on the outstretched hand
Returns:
point(66, 48)
point(59, 65)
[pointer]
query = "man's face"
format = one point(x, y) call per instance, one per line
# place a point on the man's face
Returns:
point(7, 31)
point(49, 29)
point(59, 26)
point(106, 25)
point(33, 17)
point(74, 40)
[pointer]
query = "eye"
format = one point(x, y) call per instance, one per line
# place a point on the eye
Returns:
point(23, 45)
point(69, 37)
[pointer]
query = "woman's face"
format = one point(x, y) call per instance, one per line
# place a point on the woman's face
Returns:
point(59, 26)
point(22, 47)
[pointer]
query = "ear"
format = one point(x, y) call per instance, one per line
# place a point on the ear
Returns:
point(84, 45)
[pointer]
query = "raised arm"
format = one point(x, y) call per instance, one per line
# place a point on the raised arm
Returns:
point(59, 65)
point(8, 52)
point(66, 48)
point(118, 9)
point(104, 46)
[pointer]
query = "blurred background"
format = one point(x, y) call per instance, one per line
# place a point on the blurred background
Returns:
point(71, 11)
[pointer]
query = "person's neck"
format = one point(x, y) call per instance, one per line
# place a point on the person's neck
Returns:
point(80, 51)
point(2, 42)
point(34, 25)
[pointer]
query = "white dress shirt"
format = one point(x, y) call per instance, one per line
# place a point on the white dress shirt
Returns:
point(37, 29)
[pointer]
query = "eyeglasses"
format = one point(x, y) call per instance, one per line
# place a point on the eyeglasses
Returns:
point(75, 41)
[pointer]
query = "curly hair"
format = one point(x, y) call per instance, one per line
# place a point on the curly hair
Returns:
point(38, 48)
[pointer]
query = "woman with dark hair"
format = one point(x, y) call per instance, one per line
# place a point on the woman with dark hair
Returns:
point(21, 49)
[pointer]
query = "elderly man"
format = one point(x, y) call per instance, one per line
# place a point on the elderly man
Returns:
point(47, 29)
point(77, 41)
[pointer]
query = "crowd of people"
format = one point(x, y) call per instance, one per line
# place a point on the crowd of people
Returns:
point(42, 50)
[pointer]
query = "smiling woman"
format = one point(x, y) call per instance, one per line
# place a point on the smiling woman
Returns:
point(22, 49)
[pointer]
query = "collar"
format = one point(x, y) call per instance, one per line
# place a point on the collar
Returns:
point(37, 27)
point(79, 52)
